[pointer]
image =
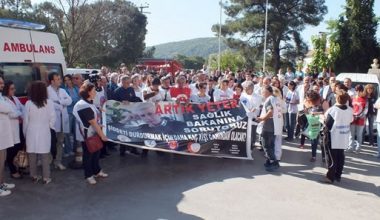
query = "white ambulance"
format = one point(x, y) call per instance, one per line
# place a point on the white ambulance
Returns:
point(27, 55)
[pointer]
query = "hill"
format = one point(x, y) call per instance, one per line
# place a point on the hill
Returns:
point(202, 47)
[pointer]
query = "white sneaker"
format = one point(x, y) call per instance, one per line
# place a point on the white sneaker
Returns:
point(91, 180)
point(101, 174)
point(4, 192)
point(60, 166)
point(7, 186)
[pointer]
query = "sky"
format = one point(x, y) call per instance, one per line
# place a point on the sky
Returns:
point(176, 20)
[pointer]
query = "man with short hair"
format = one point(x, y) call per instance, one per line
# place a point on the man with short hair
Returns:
point(103, 71)
point(165, 88)
point(223, 93)
point(126, 93)
point(77, 80)
point(201, 78)
point(252, 104)
point(324, 73)
point(327, 90)
point(348, 83)
point(112, 86)
point(302, 90)
point(61, 100)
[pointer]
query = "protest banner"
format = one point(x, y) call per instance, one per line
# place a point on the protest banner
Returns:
point(211, 129)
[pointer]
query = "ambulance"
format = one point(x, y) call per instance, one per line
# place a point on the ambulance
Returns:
point(28, 54)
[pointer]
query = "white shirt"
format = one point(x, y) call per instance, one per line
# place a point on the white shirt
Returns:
point(251, 103)
point(156, 98)
point(378, 111)
point(301, 95)
point(291, 100)
point(165, 94)
point(220, 95)
point(198, 99)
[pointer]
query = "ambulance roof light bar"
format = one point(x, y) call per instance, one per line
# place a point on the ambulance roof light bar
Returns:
point(5, 22)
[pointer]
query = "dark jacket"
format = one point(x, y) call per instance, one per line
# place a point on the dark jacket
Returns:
point(122, 94)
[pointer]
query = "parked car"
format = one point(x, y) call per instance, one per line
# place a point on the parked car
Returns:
point(84, 72)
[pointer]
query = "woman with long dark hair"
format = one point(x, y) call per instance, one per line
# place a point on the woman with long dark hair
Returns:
point(16, 120)
point(372, 111)
point(39, 118)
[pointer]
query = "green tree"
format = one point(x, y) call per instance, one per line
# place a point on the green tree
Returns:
point(228, 60)
point(194, 62)
point(102, 32)
point(355, 32)
point(323, 56)
point(149, 52)
point(286, 19)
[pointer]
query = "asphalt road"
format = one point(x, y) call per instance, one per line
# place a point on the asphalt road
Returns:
point(184, 187)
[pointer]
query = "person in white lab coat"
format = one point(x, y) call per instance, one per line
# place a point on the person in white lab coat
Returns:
point(61, 100)
point(16, 120)
point(39, 118)
point(6, 138)
point(252, 104)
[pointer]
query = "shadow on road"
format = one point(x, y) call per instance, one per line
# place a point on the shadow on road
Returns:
point(151, 188)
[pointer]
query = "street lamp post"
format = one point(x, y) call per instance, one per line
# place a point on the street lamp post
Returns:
point(265, 35)
point(220, 32)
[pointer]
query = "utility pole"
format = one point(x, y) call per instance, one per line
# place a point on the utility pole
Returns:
point(265, 36)
point(142, 7)
point(220, 32)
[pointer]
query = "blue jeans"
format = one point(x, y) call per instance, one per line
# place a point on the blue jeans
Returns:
point(291, 124)
point(314, 146)
point(356, 130)
point(70, 137)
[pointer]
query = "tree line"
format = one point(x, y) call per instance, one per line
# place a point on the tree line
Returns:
point(99, 32)
point(352, 38)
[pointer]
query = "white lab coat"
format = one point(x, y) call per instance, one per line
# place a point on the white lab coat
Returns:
point(37, 125)
point(60, 101)
point(6, 135)
point(17, 111)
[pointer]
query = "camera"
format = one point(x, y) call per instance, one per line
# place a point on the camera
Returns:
point(94, 78)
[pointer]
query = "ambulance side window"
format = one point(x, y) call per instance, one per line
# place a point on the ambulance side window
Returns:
point(20, 73)
point(44, 69)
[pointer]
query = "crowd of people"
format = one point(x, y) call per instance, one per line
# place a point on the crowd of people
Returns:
point(59, 116)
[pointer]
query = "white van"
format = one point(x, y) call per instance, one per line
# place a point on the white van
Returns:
point(84, 72)
point(27, 55)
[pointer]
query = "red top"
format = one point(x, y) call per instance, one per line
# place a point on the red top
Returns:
point(358, 105)
point(183, 94)
point(236, 96)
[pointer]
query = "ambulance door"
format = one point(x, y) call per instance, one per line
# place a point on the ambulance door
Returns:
point(15, 46)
